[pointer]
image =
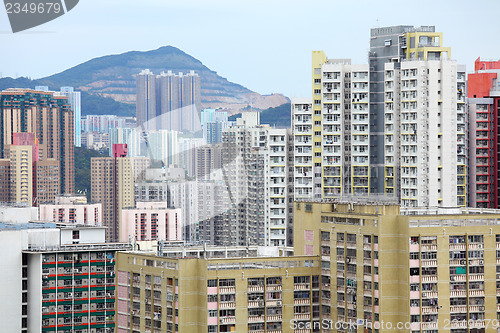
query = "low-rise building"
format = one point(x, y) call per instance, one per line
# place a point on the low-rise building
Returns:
point(151, 221)
point(72, 209)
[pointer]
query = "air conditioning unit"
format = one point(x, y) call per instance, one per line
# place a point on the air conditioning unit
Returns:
point(480, 246)
point(463, 262)
point(278, 303)
point(470, 262)
point(481, 308)
point(481, 262)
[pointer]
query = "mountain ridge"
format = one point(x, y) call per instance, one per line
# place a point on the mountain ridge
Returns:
point(113, 76)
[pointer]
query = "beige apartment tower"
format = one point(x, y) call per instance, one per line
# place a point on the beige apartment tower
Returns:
point(50, 119)
point(113, 186)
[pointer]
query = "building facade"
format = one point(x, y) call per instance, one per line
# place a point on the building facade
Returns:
point(74, 99)
point(332, 146)
point(112, 185)
point(57, 278)
point(483, 92)
point(394, 44)
point(425, 133)
point(240, 293)
point(433, 269)
point(168, 101)
point(151, 221)
point(256, 168)
point(74, 210)
point(50, 118)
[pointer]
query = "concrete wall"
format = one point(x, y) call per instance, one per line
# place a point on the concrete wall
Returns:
point(10, 287)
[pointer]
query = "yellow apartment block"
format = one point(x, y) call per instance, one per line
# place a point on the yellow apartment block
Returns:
point(367, 267)
point(405, 271)
point(217, 293)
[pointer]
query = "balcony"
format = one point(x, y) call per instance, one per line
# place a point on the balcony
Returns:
point(273, 303)
point(429, 263)
point(227, 305)
point(228, 320)
point(254, 319)
point(476, 308)
point(458, 293)
point(431, 278)
point(459, 324)
point(458, 309)
point(429, 247)
point(255, 304)
point(227, 290)
point(302, 316)
point(429, 310)
point(273, 288)
point(476, 277)
point(429, 326)
point(301, 286)
point(304, 301)
point(255, 289)
point(476, 293)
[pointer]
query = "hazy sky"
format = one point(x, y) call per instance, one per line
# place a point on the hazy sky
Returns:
point(263, 45)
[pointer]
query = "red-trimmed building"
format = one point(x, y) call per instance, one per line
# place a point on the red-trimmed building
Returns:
point(483, 92)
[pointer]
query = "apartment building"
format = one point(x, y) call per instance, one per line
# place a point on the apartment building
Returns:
point(171, 186)
point(435, 269)
point(20, 177)
point(256, 169)
point(50, 119)
point(57, 278)
point(213, 122)
point(72, 209)
point(332, 131)
point(168, 101)
point(151, 221)
point(394, 44)
point(425, 133)
point(483, 92)
point(236, 290)
point(75, 100)
point(112, 185)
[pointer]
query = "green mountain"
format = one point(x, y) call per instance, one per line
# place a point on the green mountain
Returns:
point(113, 76)
point(279, 116)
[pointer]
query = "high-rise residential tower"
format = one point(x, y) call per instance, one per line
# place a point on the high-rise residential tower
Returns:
point(483, 91)
point(393, 44)
point(332, 131)
point(74, 99)
point(425, 134)
point(168, 101)
point(146, 100)
point(113, 187)
point(256, 171)
point(50, 119)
